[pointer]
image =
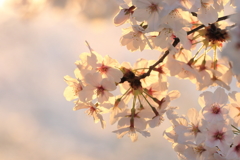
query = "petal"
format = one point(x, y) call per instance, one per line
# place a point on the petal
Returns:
point(205, 99)
point(220, 96)
point(108, 84)
point(93, 79)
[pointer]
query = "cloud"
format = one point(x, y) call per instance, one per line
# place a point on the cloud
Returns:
point(90, 9)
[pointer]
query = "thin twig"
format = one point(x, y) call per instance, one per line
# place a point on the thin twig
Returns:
point(176, 41)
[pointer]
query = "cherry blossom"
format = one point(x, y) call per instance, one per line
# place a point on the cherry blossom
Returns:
point(207, 14)
point(234, 151)
point(92, 110)
point(133, 38)
point(124, 13)
point(97, 87)
point(74, 88)
point(214, 105)
point(137, 96)
point(234, 111)
point(219, 134)
point(150, 11)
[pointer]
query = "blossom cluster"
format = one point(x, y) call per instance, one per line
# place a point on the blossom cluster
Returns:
point(137, 96)
point(210, 134)
point(96, 79)
point(232, 48)
point(155, 23)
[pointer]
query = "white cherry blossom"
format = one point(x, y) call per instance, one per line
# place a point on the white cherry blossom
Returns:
point(234, 151)
point(151, 11)
point(219, 134)
point(207, 14)
point(97, 87)
point(92, 110)
point(214, 105)
point(133, 38)
point(72, 91)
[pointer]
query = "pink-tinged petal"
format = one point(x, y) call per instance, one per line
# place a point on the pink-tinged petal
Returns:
point(69, 93)
point(100, 118)
point(171, 113)
point(124, 40)
point(174, 94)
point(140, 123)
point(88, 59)
point(233, 96)
point(123, 122)
point(163, 40)
point(110, 61)
point(133, 135)
point(104, 96)
point(141, 14)
point(227, 77)
point(201, 137)
point(220, 96)
point(121, 132)
point(116, 74)
point(182, 35)
point(222, 84)
point(170, 135)
point(173, 66)
point(82, 105)
point(205, 99)
point(153, 21)
point(114, 112)
point(87, 93)
point(207, 15)
point(144, 133)
point(93, 79)
point(192, 115)
point(135, 44)
point(108, 85)
point(121, 17)
point(141, 3)
point(122, 3)
point(225, 110)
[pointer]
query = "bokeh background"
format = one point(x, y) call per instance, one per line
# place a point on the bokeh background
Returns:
point(39, 42)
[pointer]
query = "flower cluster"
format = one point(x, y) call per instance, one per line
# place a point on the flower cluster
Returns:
point(137, 96)
point(97, 78)
point(211, 133)
point(156, 23)
point(232, 48)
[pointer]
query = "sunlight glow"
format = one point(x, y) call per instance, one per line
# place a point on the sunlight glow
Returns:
point(2, 2)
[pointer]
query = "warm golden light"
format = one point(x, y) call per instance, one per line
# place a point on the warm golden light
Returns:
point(2, 2)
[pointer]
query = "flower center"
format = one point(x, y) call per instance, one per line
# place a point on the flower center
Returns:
point(195, 129)
point(150, 91)
point(77, 89)
point(216, 35)
point(199, 149)
point(91, 110)
point(100, 90)
point(103, 69)
point(160, 70)
point(218, 135)
point(237, 148)
point(153, 8)
point(216, 108)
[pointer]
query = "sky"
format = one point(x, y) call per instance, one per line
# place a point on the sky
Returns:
point(40, 41)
